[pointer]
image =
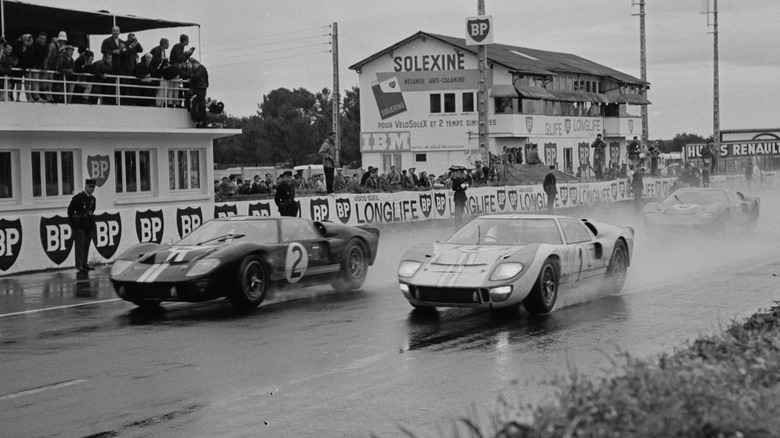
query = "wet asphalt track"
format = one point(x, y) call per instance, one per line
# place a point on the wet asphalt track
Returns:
point(76, 362)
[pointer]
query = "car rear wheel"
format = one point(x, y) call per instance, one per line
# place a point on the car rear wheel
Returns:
point(542, 298)
point(252, 283)
point(618, 265)
point(354, 267)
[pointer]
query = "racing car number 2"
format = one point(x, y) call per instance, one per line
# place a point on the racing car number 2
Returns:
point(296, 262)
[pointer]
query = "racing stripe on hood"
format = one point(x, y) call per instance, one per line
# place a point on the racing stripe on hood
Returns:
point(152, 273)
point(454, 271)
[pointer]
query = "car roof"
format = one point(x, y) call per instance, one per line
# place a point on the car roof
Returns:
point(245, 218)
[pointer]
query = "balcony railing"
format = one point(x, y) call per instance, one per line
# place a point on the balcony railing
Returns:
point(84, 88)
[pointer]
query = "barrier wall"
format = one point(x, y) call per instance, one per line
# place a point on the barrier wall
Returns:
point(36, 242)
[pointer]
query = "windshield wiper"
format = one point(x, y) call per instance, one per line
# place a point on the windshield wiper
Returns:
point(224, 236)
point(678, 199)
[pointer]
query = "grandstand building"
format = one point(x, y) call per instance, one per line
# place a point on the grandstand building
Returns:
point(418, 105)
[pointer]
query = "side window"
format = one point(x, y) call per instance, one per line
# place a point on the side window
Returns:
point(297, 229)
point(52, 173)
point(6, 175)
point(574, 231)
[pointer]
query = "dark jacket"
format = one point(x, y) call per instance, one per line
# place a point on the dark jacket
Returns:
point(550, 184)
point(81, 211)
point(285, 199)
point(199, 77)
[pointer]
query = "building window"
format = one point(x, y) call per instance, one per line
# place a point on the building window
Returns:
point(435, 103)
point(133, 171)
point(6, 180)
point(389, 160)
point(184, 169)
point(468, 102)
point(52, 173)
point(449, 102)
point(420, 158)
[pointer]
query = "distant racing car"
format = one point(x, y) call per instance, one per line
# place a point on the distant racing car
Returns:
point(702, 209)
point(504, 260)
point(242, 257)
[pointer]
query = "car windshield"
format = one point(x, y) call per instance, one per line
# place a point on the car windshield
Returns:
point(701, 197)
point(258, 231)
point(507, 232)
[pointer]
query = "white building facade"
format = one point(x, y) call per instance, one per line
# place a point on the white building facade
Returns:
point(418, 105)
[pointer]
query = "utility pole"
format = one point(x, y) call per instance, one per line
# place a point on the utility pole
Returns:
point(336, 114)
point(643, 66)
point(484, 140)
point(716, 79)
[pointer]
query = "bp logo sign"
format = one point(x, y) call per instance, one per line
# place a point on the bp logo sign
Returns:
point(319, 209)
point(56, 238)
point(260, 209)
point(343, 209)
point(225, 210)
point(426, 204)
point(149, 226)
point(479, 30)
point(99, 167)
point(10, 242)
point(187, 219)
point(107, 233)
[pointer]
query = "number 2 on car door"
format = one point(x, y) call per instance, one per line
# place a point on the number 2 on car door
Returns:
point(296, 262)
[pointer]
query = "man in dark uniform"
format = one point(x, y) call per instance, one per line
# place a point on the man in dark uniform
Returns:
point(599, 156)
point(459, 186)
point(551, 188)
point(285, 196)
point(637, 185)
point(81, 213)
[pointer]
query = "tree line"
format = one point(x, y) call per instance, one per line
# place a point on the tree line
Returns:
point(288, 129)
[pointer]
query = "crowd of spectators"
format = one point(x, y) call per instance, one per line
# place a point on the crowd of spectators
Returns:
point(351, 181)
point(44, 69)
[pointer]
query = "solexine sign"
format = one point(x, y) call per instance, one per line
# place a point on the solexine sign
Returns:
point(35, 242)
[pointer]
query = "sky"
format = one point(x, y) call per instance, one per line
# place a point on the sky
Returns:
point(252, 47)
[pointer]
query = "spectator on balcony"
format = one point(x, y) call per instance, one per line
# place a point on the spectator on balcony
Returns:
point(533, 155)
point(40, 49)
point(269, 182)
point(50, 63)
point(24, 50)
point(65, 69)
point(413, 176)
point(114, 46)
point(599, 156)
point(146, 75)
point(634, 151)
point(170, 75)
point(128, 60)
point(424, 182)
point(159, 52)
point(103, 87)
point(394, 179)
point(6, 64)
point(83, 68)
point(366, 175)
point(178, 53)
point(199, 83)
point(338, 180)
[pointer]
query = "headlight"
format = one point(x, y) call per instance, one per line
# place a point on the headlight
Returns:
point(407, 268)
point(203, 266)
point(120, 266)
point(498, 294)
point(506, 270)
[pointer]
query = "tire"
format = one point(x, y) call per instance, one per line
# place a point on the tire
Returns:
point(252, 283)
point(354, 267)
point(542, 298)
point(420, 308)
point(618, 265)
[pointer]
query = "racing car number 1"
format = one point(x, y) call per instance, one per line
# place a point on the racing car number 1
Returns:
point(296, 262)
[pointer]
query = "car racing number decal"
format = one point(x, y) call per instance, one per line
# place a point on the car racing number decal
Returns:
point(296, 262)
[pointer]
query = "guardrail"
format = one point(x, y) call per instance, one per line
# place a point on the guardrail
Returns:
point(54, 87)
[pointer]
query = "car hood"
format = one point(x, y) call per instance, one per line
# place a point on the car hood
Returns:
point(179, 254)
point(469, 266)
point(688, 209)
point(470, 255)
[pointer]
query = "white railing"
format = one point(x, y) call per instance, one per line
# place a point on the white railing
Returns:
point(51, 86)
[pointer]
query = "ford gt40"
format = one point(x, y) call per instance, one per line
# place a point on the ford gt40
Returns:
point(505, 260)
point(241, 258)
point(705, 209)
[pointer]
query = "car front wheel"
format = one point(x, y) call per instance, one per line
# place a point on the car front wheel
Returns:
point(354, 267)
point(618, 264)
point(252, 283)
point(542, 298)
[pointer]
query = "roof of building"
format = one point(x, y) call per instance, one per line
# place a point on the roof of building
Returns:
point(21, 18)
point(520, 59)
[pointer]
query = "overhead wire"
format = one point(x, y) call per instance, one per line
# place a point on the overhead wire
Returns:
point(268, 51)
point(268, 59)
point(270, 43)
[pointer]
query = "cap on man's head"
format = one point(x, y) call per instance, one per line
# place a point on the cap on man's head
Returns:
point(287, 173)
point(194, 61)
point(598, 135)
point(90, 182)
point(62, 36)
point(339, 169)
